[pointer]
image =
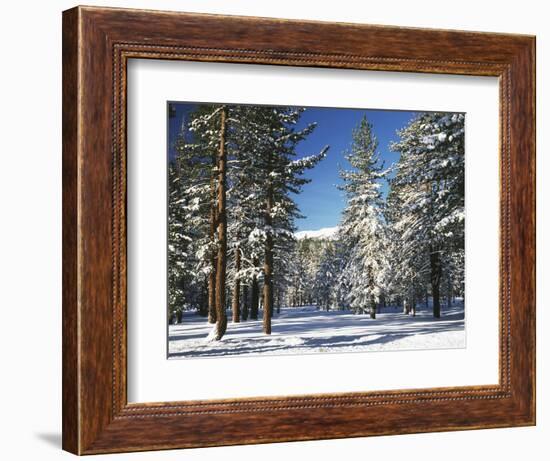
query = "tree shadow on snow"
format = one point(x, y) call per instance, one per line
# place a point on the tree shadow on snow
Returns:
point(321, 332)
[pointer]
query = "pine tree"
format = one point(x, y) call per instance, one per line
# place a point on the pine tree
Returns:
point(179, 242)
point(283, 175)
point(326, 275)
point(362, 226)
point(245, 209)
point(264, 174)
point(209, 129)
point(202, 148)
point(430, 184)
point(303, 265)
point(187, 221)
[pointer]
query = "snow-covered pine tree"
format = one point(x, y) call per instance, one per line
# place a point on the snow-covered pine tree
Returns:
point(300, 259)
point(303, 264)
point(187, 223)
point(314, 249)
point(203, 146)
point(326, 276)
point(275, 139)
point(362, 226)
point(209, 126)
point(342, 283)
point(406, 275)
point(430, 184)
point(295, 271)
point(282, 271)
point(178, 245)
point(245, 211)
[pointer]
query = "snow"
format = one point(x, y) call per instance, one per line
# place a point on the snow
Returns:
point(307, 330)
point(325, 232)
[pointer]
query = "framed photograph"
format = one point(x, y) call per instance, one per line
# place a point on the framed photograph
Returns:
point(284, 230)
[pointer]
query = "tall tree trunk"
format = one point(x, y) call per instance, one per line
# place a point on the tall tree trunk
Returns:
point(449, 290)
point(268, 264)
point(372, 301)
point(203, 306)
point(212, 293)
point(237, 287)
point(435, 278)
point(221, 317)
point(255, 295)
point(213, 225)
point(244, 313)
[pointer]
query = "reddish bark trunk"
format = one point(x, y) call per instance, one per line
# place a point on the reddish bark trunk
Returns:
point(268, 266)
point(255, 296)
point(236, 307)
point(221, 317)
point(213, 225)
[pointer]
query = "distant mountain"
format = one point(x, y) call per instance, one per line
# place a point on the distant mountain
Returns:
point(324, 233)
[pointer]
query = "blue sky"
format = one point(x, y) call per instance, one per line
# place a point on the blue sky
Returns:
point(321, 202)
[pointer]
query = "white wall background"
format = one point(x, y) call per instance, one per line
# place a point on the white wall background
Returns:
point(30, 227)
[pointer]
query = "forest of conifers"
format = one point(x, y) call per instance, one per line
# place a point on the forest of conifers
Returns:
point(232, 249)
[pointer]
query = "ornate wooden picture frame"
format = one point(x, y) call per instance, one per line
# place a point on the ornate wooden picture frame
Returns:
point(97, 44)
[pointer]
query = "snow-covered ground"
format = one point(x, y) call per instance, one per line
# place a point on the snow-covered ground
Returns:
point(307, 330)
